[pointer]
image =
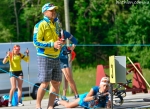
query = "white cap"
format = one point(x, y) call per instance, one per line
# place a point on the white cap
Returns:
point(48, 6)
point(104, 80)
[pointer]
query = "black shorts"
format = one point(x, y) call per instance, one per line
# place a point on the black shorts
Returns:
point(16, 74)
point(64, 63)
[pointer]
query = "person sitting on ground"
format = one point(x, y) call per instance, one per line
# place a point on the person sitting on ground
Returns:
point(97, 97)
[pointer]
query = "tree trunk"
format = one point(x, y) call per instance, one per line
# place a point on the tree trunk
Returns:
point(28, 30)
point(16, 16)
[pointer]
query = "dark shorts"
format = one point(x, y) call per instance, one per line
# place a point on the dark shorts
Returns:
point(49, 69)
point(64, 63)
point(16, 74)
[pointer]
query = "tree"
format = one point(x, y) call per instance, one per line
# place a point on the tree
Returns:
point(138, 33)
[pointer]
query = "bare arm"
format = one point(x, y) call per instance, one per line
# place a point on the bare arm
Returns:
point(89, 96)
point(108, 104)
point(5, 60)
point(26, 58)
point(72, 47)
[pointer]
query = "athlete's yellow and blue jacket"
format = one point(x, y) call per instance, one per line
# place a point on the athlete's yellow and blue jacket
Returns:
point(45, 34)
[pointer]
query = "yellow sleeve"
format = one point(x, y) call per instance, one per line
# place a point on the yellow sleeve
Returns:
point(25, 58)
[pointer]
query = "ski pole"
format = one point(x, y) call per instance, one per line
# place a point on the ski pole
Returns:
point(29, 79)
point(11, 45)
point(28, 74)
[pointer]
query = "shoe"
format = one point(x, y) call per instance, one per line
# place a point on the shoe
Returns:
point(20, 104)
point(56, 102)
point(9, 104)
point(64, 98)
point(76, 96)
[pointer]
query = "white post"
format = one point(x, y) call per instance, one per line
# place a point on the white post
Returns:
point(67, 25)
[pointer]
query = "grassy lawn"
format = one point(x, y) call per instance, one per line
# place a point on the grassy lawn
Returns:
point(86, 78)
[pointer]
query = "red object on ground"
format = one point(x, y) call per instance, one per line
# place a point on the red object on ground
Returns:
point(138, 83)
point(4, 103)
point(99, 74)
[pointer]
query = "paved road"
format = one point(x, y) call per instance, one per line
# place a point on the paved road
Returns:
point(130, 101)
point(135, 101)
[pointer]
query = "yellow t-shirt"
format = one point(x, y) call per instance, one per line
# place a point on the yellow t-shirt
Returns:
point(15, 62)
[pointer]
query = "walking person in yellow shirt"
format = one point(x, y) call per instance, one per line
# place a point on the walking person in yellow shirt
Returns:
point(16, 74)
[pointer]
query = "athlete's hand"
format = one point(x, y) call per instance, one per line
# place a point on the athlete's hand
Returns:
point(27, 52)
point(72, 47)
point(7, 53)
point(97, 96)
point(57, 45)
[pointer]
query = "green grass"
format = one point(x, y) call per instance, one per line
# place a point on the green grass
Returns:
point(86, 78)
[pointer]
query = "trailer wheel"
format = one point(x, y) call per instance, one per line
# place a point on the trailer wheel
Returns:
point(34, 92)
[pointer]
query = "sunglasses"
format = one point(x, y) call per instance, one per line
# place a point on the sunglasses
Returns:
point(16, 48)
point(50, 5)
point(105, 81)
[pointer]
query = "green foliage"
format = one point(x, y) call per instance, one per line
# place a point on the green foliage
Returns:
point(138, 33)
point(89, 30)
point(6, 24)
point(92, 22)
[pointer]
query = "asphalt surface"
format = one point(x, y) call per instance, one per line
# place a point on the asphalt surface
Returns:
point(130, 102)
